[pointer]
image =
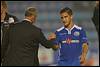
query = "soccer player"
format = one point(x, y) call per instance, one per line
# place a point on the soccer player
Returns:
point(72, 41)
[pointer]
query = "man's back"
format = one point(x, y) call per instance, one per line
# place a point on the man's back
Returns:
point(23, 46)
point(22, 43)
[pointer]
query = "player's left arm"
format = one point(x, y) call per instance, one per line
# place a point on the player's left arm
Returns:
point(84, 53)
point(84, 46)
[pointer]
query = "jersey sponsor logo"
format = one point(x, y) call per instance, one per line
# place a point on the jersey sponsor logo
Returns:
point(69, 41)
point(76, 33)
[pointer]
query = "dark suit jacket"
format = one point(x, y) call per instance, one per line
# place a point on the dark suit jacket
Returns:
point(23, 43)
point(95, 18)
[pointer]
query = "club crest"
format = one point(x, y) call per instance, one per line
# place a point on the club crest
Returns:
point(76, 33)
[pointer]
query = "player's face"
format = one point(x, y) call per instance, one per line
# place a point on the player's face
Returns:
point(66, 18)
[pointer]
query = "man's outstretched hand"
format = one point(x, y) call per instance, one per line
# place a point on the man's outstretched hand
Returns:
point(52, 36)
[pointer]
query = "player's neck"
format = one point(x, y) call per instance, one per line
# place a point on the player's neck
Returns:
point(70, 26)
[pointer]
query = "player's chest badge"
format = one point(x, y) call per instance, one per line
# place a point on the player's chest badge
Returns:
point(76, 33)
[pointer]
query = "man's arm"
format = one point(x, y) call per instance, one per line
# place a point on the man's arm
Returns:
point(52, 37)
point(84, 53)
point(47, 43)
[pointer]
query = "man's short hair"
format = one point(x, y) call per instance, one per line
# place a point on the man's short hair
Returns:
point(4, 4)
point(31, 11)
point(66, 9)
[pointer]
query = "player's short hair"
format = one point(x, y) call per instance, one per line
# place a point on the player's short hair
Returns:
point(4, 4)
point(31, 11)
point(66, 9)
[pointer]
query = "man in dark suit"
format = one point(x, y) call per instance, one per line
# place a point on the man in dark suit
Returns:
point(95, 17)
point(23, 42)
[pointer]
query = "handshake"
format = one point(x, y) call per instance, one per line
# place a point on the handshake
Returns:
point(52, 36)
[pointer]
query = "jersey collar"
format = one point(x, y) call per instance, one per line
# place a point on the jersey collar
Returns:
point(69, 31)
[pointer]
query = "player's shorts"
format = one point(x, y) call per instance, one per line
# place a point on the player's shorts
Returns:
point(70, 62)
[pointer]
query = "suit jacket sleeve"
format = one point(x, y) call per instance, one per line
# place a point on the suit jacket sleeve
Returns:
point(43, 41)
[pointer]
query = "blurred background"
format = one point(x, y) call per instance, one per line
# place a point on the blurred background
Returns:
point(49, 21)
